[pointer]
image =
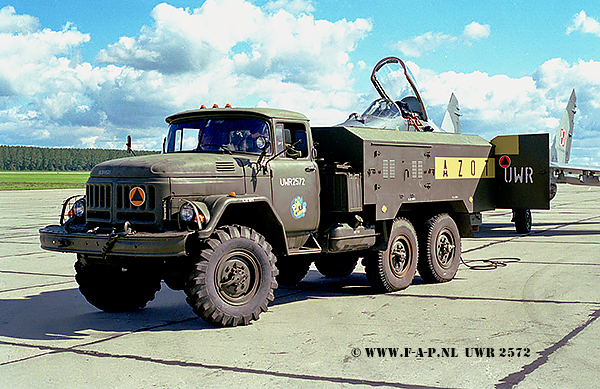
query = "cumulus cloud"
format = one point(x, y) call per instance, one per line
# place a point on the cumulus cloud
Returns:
point(584, 24)
point(430, 41)
point(10, 22)
point(476, 31)
point(497, 104)
point(224, 51)
point(278, 55)
point(292, 6)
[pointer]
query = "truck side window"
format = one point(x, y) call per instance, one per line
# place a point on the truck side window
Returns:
point(295, 134)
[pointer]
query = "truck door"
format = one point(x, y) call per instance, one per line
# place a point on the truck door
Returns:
point(295, 182)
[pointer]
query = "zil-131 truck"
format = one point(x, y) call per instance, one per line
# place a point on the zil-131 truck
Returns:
point(242, 200)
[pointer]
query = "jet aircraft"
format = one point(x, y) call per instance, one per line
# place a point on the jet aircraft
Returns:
point(560, 153)
point(404, 109)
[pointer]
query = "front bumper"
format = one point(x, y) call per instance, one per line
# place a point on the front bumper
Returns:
point(135, 244)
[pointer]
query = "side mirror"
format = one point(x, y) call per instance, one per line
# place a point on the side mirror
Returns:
point(262, 143)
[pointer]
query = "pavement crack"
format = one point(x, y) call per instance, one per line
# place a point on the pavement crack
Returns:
point(511, 380)
point(35, 286)
point(187, 364)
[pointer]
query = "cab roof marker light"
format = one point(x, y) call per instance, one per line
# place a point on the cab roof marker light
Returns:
point(215, 105)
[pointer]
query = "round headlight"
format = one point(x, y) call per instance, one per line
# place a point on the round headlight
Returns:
point(186, 212)
point(79, 208)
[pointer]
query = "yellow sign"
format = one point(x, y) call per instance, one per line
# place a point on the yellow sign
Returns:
point(456, 168)
point(137, 196)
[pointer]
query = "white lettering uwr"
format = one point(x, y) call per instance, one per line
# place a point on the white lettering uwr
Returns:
point(518, 175)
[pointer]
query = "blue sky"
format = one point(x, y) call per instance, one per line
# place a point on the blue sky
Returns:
point(86, 74)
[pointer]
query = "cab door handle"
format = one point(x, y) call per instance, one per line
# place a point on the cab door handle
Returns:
point(309, 169)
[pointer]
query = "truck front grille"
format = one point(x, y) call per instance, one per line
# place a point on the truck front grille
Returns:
point(110, 204)
point(98, 195)
point(123, 197)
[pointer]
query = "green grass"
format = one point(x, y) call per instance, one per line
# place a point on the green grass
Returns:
point(42, 180)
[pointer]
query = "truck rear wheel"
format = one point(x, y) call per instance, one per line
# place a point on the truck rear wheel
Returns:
point(394, 267)
point(116, 289)
point(234, 278)
point(440, 249)
point(293, 269)
point(336, 265)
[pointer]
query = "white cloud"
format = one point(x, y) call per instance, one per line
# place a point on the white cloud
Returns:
point(497, 104)
point(224, 51)
point(476, 31)
point(292, 6)
point(274, 57)
point(10, 22)
point(584, 24)
point(430, 41)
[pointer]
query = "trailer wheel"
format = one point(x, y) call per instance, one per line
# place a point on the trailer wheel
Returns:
point(116, 289)
point(337, 265)
point(233, 279)
point(522, 219)
point(394, 267)
point(293, 269)
point(440, 249)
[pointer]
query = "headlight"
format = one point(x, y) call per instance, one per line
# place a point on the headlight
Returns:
point(79, 208)
point(73, 208)
point(187, 212)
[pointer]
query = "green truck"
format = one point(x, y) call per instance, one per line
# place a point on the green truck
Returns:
point(242, 200)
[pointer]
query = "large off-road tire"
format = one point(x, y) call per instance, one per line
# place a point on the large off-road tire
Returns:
point(234, 278)
point(293, 269)
point(336, 265)
point(440, 249)
point(523, 220)
point(114, 288)
point(393, 268)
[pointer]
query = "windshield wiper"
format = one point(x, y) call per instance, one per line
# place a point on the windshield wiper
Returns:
point(222, 147)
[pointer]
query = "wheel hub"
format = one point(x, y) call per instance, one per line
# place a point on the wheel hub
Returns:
point(399, 255)
point(445, 248)
point(236, 278)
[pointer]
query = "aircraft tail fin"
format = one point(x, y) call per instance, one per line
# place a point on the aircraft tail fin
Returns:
point(560, 152)
point(451, 121)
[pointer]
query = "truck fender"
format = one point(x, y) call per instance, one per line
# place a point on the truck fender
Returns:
point(256, 212)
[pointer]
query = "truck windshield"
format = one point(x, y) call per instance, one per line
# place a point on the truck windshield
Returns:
point(218, 134)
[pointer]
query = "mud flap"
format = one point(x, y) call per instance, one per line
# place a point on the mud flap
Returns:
point(522, 171)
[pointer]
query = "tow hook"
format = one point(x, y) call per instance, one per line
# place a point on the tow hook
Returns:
point(114, 236)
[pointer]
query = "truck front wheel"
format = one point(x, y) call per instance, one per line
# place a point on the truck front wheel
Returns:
point(394, 267)
point(440, 249)
point(114, 288)
point(234, 278)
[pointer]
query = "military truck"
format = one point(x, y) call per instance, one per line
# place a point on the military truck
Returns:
point(244, 199)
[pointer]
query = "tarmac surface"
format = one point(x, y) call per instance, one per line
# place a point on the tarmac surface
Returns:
point(525, 315)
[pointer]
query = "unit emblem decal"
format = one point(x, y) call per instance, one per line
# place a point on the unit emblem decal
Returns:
point(298, 207)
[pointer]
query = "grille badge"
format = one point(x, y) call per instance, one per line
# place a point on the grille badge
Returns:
point(137, 196)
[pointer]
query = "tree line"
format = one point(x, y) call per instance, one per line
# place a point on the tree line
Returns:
point(28, 158)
